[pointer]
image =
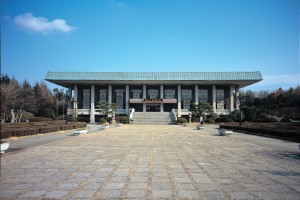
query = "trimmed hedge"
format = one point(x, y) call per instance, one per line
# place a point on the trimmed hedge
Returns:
point(281, 130)
point(124, 120)
point(181, 120)
point(33, 128)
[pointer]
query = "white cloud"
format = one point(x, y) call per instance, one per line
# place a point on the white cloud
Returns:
point(121, 5)
point(41, 24)
point(271, 83)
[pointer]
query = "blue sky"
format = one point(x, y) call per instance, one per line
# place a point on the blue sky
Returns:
point(158, 35)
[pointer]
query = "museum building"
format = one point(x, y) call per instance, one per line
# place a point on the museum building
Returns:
point(153, 91)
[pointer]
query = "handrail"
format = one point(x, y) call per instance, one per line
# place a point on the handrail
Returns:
point(132, 110)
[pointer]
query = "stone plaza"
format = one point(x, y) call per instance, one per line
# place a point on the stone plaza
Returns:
point(154, 162)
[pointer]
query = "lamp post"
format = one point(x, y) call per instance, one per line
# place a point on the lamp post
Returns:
point(68, 98)
point(56, 90)
point(241, 99)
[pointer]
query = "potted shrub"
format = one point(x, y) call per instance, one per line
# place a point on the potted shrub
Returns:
point(4, 146)
point(80, 131)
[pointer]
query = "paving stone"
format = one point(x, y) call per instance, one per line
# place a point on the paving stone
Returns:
point(184, 186)
point(57, 194)
point(114, 185)
point(9, 193)
point(142, 179)
point(33, 194)
point(139, 194)
point(110, 194)
point(162, 186)
point(83, 194)
point(188, 194)
point(67, 186)
point(162, 194)
point(241, 195)
point(214, 195)
point(137, 186)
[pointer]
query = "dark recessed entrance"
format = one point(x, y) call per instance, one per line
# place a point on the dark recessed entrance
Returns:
point(153, 108)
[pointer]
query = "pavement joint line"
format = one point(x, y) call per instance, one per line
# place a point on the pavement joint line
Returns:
point(125, 190)
point(150, 181)
point(170, 175)
point(98, 192)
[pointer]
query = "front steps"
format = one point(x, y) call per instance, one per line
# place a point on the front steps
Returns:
point(152, 118)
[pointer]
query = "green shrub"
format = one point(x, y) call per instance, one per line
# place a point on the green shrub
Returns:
point(83, 119)
point(229, 120)
point(194, 119)
point(40, 119)
point(210, 121)
point(72, 119)
point(223, 119)
point(47, 112)
point(262, 117)
point(236, 115)
point(249, 114)
point(122, 114)
point(181, 120)
point(102, 121)
point(213, 116)
point(124, 120)
point(27, 116)
point(270, 120)
point(285, 119)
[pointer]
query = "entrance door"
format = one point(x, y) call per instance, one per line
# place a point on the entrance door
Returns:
point(153, 108)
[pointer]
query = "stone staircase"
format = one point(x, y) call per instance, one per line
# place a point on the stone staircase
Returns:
point(152, 118)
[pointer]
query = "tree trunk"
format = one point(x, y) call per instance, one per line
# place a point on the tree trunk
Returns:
point(20, 118)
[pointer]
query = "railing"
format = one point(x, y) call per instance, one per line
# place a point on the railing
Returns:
point(132, 110)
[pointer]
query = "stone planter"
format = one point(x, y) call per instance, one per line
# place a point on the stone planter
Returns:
point(224, 132)
point(4, 146)
point(80, 132)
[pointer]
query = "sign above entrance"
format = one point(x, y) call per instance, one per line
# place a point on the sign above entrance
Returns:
point(153, 100)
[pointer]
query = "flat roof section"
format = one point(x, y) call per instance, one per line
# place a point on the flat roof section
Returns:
point(237, 78)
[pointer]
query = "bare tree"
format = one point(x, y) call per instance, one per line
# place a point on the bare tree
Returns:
point(27, 101)
point(10, 93)
point(43, 96)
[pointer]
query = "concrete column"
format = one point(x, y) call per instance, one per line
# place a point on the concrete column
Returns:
point(196, 95)
point(231, 88)
point(179, 101)
point(214, 99)
point(92, 113)
point(161, 96)
point(109, 93)
point(237, 97)
point(75, 101)
point(127, 99)
point(70, 95)
point(144, 96)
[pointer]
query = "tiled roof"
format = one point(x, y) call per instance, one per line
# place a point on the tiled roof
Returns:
point(149, 76)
